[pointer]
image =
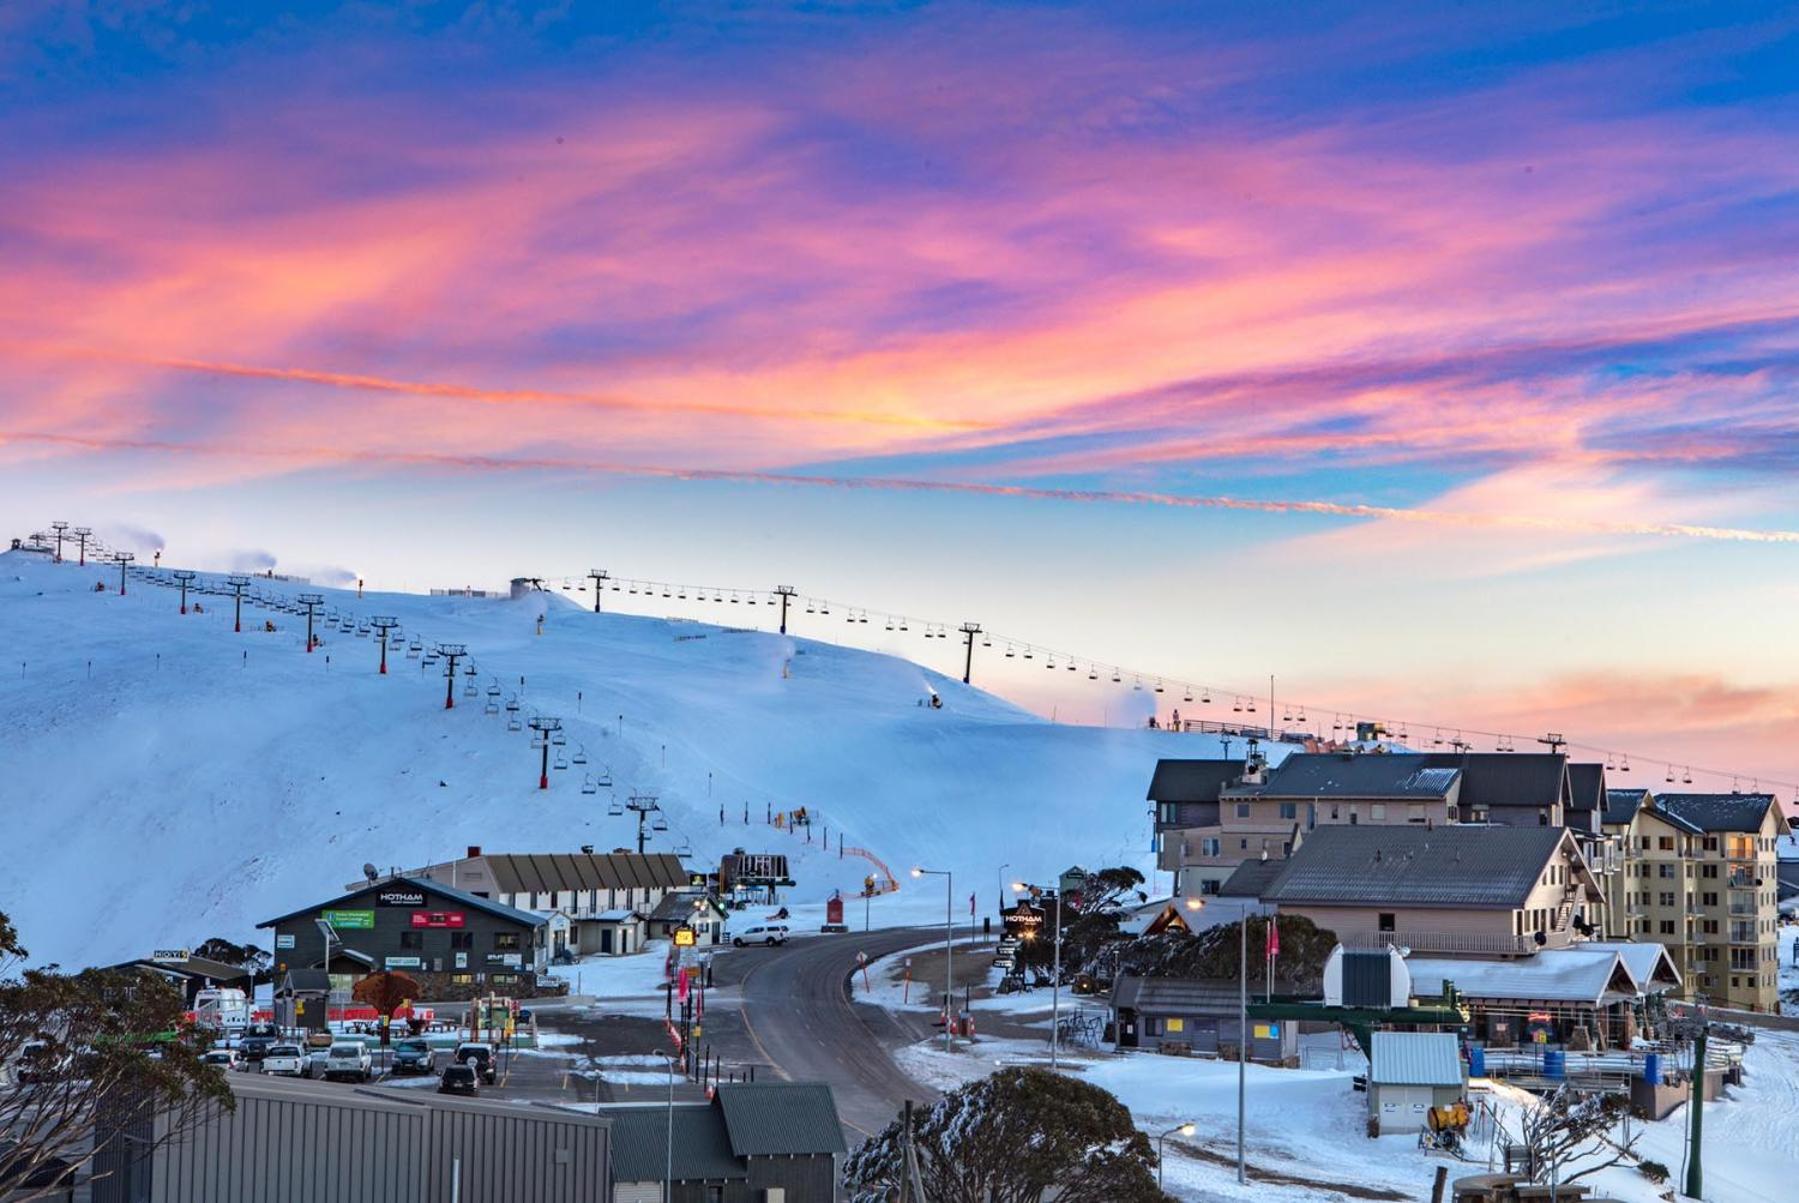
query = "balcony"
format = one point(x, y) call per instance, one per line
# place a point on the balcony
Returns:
point(1494, 944)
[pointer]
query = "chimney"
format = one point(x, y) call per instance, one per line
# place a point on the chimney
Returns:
point(474, 850)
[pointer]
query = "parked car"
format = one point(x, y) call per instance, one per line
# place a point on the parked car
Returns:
point(349, 1060)
point(224, 1058)
point(314, 1065)
point(479, 1055)
point(770, 934)
point(254, 1048)
point(411, 1057)
point(38, 1063)
point(459, 1079)
point(288, 1060)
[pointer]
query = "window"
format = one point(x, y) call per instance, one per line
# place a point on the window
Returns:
point(462, 939)
point(1665, 843)
point(1414, 812)
point(1289, 810)
point(1708, 871)
point(1387, 921)
point(1667, 869)
point(504, 979)
point(1242, 846)
point(715, 1194)
point(1709, 899)
point(1667, 927)
point(462, 979)
point(1210, 846)
point(507, 941)
point(412, 939)
point(1666, 898)
point(1242, 810)
point(1177, 1024)
point(1377, 811)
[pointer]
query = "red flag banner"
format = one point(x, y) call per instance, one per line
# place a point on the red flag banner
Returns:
point(1274, 938)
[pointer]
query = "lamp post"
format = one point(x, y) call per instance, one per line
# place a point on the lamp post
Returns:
point(1180, 1129)
point(949, 928)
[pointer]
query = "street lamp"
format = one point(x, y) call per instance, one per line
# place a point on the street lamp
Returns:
point(1055, 986)
point(1181, 1129)
point(949, 981)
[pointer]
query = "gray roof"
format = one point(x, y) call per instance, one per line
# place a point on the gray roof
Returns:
point(1415, 1059)
point(1621, 805)
point(1716, 812)
point(1354, 775)
point(1192, 780)
point(640, 1144)
point(677, 906)
point(1251, 878)
point(1452, 866)
point(546, 872)
point(1586, 784)
point(781, 1119)
point(1174, 995)
point(461, 897)
point(1508, 778)
point(311, 980)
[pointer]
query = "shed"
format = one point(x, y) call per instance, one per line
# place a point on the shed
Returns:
point(613, 933)
point(1408, 1074)
point(1194, 1015)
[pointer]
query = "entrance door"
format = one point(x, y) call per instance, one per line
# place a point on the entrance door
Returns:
point(606, 940)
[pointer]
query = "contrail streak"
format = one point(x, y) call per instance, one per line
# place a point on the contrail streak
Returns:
point(492, 463)
point(514, 396)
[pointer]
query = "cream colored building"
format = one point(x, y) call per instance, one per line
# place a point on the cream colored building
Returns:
point(1699, 877)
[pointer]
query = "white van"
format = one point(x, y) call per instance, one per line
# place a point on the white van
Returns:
point(770, 934)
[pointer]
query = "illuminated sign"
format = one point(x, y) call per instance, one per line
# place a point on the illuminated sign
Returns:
point(683, 937)
point(438, 918)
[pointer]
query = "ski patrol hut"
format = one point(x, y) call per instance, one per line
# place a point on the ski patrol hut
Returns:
point(1408, 1074)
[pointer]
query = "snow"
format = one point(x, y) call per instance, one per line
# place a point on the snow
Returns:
point(1310, 1124)
point(201, 781)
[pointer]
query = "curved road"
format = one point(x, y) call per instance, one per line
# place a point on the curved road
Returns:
point(797, 1011)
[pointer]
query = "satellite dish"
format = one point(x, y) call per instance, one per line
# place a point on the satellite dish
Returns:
point(370, 872)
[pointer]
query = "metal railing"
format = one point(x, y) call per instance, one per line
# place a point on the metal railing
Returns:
point(1438, 941)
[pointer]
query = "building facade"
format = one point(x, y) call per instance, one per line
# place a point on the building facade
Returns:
point(1701, 877)
point(456, 944)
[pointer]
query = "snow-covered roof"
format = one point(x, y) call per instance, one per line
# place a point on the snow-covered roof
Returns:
point(1574, 975)
point(1648, 962)
point(1415, 1059)
point(621, 915)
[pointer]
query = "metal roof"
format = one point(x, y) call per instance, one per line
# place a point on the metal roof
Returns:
point(1453, 866)
point(1586, 786)
point(1716, 812)
point(1508, 778)
point(546, 872)
point(702, 1149)
point(1621, 805)
point(1175, 995)
point(1251, 878)
point(1575, 974)
point(1353, 775)
point(460, 897)
point(1415, 1059)
point(1192, 780)
point(781, 1119)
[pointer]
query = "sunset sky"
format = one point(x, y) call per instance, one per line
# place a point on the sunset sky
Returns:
point(1438, 359)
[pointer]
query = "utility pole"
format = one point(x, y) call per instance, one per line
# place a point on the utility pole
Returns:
point(643, 805)
point(83, 534)
point(383, 624)
point(238, 585)
point(59, 528)
point(1242, 1029)
point(1696, 1104)
point(451, 652)
point(542, 726)
point(785, 593)
point(122, 558)
point(599, 576)
point(184, 575)
point(969, 631)
point(312, 601)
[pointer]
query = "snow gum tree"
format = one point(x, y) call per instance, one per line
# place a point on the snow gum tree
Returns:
point(1021, 1136)
point(80, 1045)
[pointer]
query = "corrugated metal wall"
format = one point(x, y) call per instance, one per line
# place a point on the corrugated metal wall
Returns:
point(526, 1158)
point(290, 1150)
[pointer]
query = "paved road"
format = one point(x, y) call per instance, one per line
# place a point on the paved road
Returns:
point(798, 1014)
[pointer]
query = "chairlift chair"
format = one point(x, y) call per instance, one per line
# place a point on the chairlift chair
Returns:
point(587, 785)
point(469, 690)
point(615, 808)
point(558, 739)
point(659, 824)
point(580, 756)
point(561, 762)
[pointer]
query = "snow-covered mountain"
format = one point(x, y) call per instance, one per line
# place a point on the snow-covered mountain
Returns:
point(163, 779)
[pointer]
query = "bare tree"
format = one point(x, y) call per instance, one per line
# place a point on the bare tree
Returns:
point(1568, 1135)
point(79, 1044)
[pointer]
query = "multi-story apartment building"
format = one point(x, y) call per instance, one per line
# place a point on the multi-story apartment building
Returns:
point(1700, 878)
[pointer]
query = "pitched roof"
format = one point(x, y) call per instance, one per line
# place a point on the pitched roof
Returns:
point(1647, 961)
point(1251, 878)
point(1621, 805)
point(1553, 975)
point(1508, 778)
point(1717, 812)
point(450, 893)
point(1354, 775)
point(1455, 865)
point(545, 872)
point(781, 1119)
point(1415, 1059)
point(306, 979)
point(1192, 780)
point(1586, 784)
point(640, 1146)
point(678, 906)
point(1174, 995)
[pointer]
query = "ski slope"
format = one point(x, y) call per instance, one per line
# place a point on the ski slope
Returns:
point(165, 779)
